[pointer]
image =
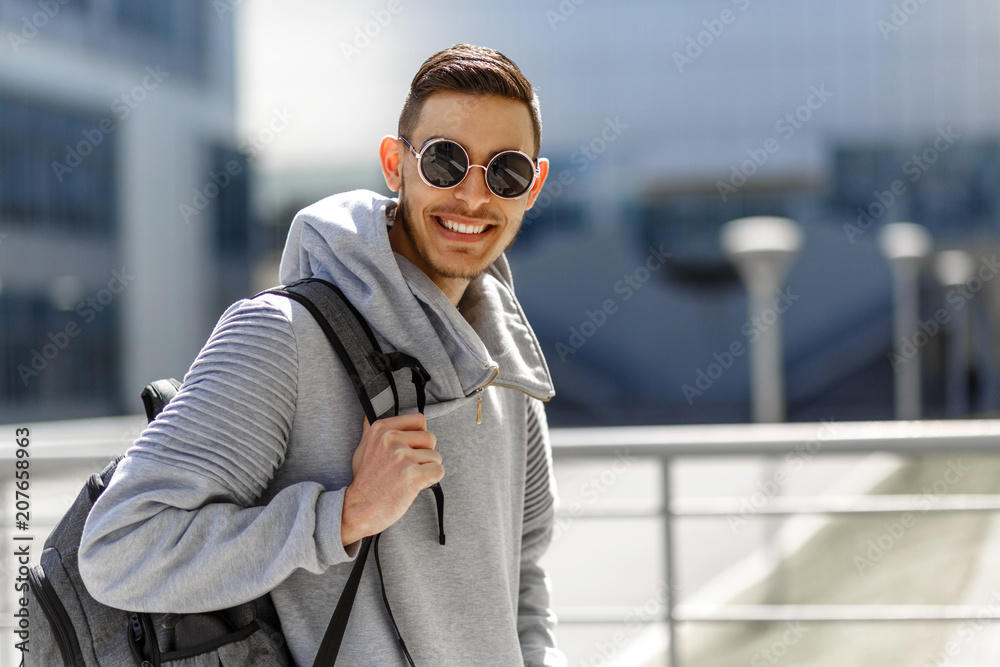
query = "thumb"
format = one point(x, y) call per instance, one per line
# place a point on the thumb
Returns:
point(364, 426)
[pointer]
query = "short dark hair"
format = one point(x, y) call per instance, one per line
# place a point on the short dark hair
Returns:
point(474, 70)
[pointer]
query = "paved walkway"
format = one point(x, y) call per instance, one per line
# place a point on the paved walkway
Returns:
point(977, 644)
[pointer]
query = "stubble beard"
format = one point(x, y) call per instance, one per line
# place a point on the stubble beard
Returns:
point(453, 272)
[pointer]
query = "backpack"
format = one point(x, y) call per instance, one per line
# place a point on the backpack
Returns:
point(78, 631)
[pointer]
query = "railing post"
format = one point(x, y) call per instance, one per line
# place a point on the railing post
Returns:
point(668, 560)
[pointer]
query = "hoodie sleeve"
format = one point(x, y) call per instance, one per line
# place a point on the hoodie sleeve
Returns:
point(177, 529)
point(535, 619)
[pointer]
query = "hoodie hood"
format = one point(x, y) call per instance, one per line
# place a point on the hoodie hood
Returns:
point(486, 340)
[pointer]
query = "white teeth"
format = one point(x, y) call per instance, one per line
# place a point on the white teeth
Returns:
point(462, 229)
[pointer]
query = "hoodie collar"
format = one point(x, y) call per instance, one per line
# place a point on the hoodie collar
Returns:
point(486, 340)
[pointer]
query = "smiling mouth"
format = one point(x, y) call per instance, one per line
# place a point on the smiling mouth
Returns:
point(461, 228)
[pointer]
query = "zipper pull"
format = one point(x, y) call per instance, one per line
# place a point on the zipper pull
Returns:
point(479, 408)
point(136, 626)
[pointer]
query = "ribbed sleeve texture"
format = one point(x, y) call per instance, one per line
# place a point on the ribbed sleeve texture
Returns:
point(225, 433)
point(535, 620)
point(539, 488)
point(232, 417)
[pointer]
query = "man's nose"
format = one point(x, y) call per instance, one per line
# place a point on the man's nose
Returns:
point(473, 189)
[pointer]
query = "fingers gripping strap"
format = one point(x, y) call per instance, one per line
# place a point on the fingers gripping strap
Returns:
point(420, 376)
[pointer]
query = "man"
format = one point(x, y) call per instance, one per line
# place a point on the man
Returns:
point(262, 474)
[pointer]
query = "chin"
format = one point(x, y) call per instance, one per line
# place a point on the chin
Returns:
point(460, 270)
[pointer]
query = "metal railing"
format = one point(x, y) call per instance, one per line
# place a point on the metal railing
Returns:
point(79, 448)
point(669, 443)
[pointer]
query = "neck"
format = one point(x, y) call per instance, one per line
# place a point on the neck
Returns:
point(453, 288)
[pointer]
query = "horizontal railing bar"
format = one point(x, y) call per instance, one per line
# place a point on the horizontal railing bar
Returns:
point(775, 613)
point(901, 437)
point(875, 504)
point(610, 614)
point(832, 613)
point(789, 506)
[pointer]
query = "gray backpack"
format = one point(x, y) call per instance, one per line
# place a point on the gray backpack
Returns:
point(69, 627)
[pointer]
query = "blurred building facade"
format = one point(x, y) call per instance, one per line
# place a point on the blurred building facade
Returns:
point(843, 116)
point(123, 199)
point(662, 121)
point(665, 120)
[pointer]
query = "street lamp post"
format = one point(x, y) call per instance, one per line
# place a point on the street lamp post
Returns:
point(905, 245)
point(762, 249)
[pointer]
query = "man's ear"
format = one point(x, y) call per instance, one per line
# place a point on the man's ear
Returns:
point(391, 161)
point(543, 172)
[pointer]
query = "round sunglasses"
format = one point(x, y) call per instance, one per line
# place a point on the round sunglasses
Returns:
point(443, 164)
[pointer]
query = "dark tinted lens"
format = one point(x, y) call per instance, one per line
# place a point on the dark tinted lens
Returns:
point(509, 174)
point(444, 164)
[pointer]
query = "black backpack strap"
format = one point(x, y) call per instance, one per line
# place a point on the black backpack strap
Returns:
point(371, 372)
point(156, 395)
point(368, 367)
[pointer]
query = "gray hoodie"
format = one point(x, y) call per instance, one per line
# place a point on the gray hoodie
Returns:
point(237, 488)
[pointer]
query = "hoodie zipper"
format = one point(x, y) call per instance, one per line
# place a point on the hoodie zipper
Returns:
point(496, 374)
point(479, 408)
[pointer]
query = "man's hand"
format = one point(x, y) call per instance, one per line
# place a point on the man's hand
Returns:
point(394, 462)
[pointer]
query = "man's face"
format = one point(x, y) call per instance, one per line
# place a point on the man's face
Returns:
point(484, 126)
